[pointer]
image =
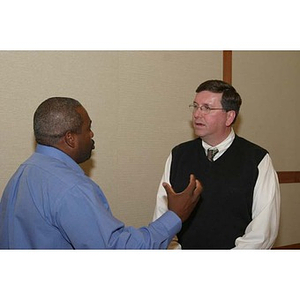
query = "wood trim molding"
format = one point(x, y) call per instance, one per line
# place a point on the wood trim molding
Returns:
point(289, 176)
point(292, 246)
point(227, 66)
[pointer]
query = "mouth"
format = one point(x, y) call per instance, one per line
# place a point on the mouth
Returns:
point(199, 124)
point(93, 144)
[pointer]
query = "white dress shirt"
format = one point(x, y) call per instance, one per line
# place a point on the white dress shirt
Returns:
point(262, 231)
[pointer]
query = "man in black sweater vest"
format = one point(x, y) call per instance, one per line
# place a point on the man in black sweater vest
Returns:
point(239, 205)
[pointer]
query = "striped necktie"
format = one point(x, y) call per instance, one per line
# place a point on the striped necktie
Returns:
point(211, 153)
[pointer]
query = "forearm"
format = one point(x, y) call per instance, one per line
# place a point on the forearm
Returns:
point(102, 230)
point(262, 231)
point(157, 235)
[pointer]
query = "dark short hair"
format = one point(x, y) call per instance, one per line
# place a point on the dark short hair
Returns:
point(54, 117)
point(231, 100)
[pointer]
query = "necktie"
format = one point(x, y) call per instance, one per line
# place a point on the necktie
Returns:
point(211, 153)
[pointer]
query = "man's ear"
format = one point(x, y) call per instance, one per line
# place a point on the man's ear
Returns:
point(230, 117)
point(70, 139)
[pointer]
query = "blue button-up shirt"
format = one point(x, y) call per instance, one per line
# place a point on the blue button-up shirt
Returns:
point(50, 203)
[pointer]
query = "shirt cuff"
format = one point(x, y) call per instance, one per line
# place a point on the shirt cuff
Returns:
point(171, 222)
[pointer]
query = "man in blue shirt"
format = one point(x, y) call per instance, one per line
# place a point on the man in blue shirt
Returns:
point(49, 203)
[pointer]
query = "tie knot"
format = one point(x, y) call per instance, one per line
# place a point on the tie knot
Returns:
point(211, 153)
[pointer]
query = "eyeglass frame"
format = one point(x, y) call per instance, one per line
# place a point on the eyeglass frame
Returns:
point(206, 109)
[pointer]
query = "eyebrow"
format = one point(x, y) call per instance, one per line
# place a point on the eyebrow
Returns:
point(204, 104)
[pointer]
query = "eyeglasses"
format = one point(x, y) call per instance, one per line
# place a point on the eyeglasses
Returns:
point(204, 108)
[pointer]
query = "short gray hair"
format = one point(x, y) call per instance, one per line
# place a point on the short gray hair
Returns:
point(54, 117)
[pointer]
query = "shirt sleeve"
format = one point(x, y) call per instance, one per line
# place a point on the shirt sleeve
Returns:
point(262, 231)
point(162, 200)
point(86, 222)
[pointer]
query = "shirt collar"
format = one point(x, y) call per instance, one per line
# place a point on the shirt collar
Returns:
point(60, 155)
point(223, 146)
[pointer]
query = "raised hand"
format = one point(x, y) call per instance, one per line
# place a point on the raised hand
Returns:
point(183, 203)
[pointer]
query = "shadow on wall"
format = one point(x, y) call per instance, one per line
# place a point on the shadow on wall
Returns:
point(87, 166)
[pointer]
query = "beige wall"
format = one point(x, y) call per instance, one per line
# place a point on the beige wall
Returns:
point(268, 83)
point(138, 102)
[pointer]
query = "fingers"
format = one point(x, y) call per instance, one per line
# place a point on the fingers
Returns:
point(198, 188)
point(168, 188)
point(192, 184)
point(194, 187)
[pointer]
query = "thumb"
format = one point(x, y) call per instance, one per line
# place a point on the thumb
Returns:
point(168, 188)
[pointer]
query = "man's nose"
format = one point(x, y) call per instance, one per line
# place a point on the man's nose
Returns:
point(198, 112)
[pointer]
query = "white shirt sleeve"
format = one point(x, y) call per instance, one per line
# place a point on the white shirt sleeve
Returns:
point(162, 200)
point(262, 231)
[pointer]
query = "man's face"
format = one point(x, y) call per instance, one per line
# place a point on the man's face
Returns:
point(85, 143)
point(212, 127)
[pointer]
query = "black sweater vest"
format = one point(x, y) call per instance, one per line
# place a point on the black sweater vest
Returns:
point(225, 207)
